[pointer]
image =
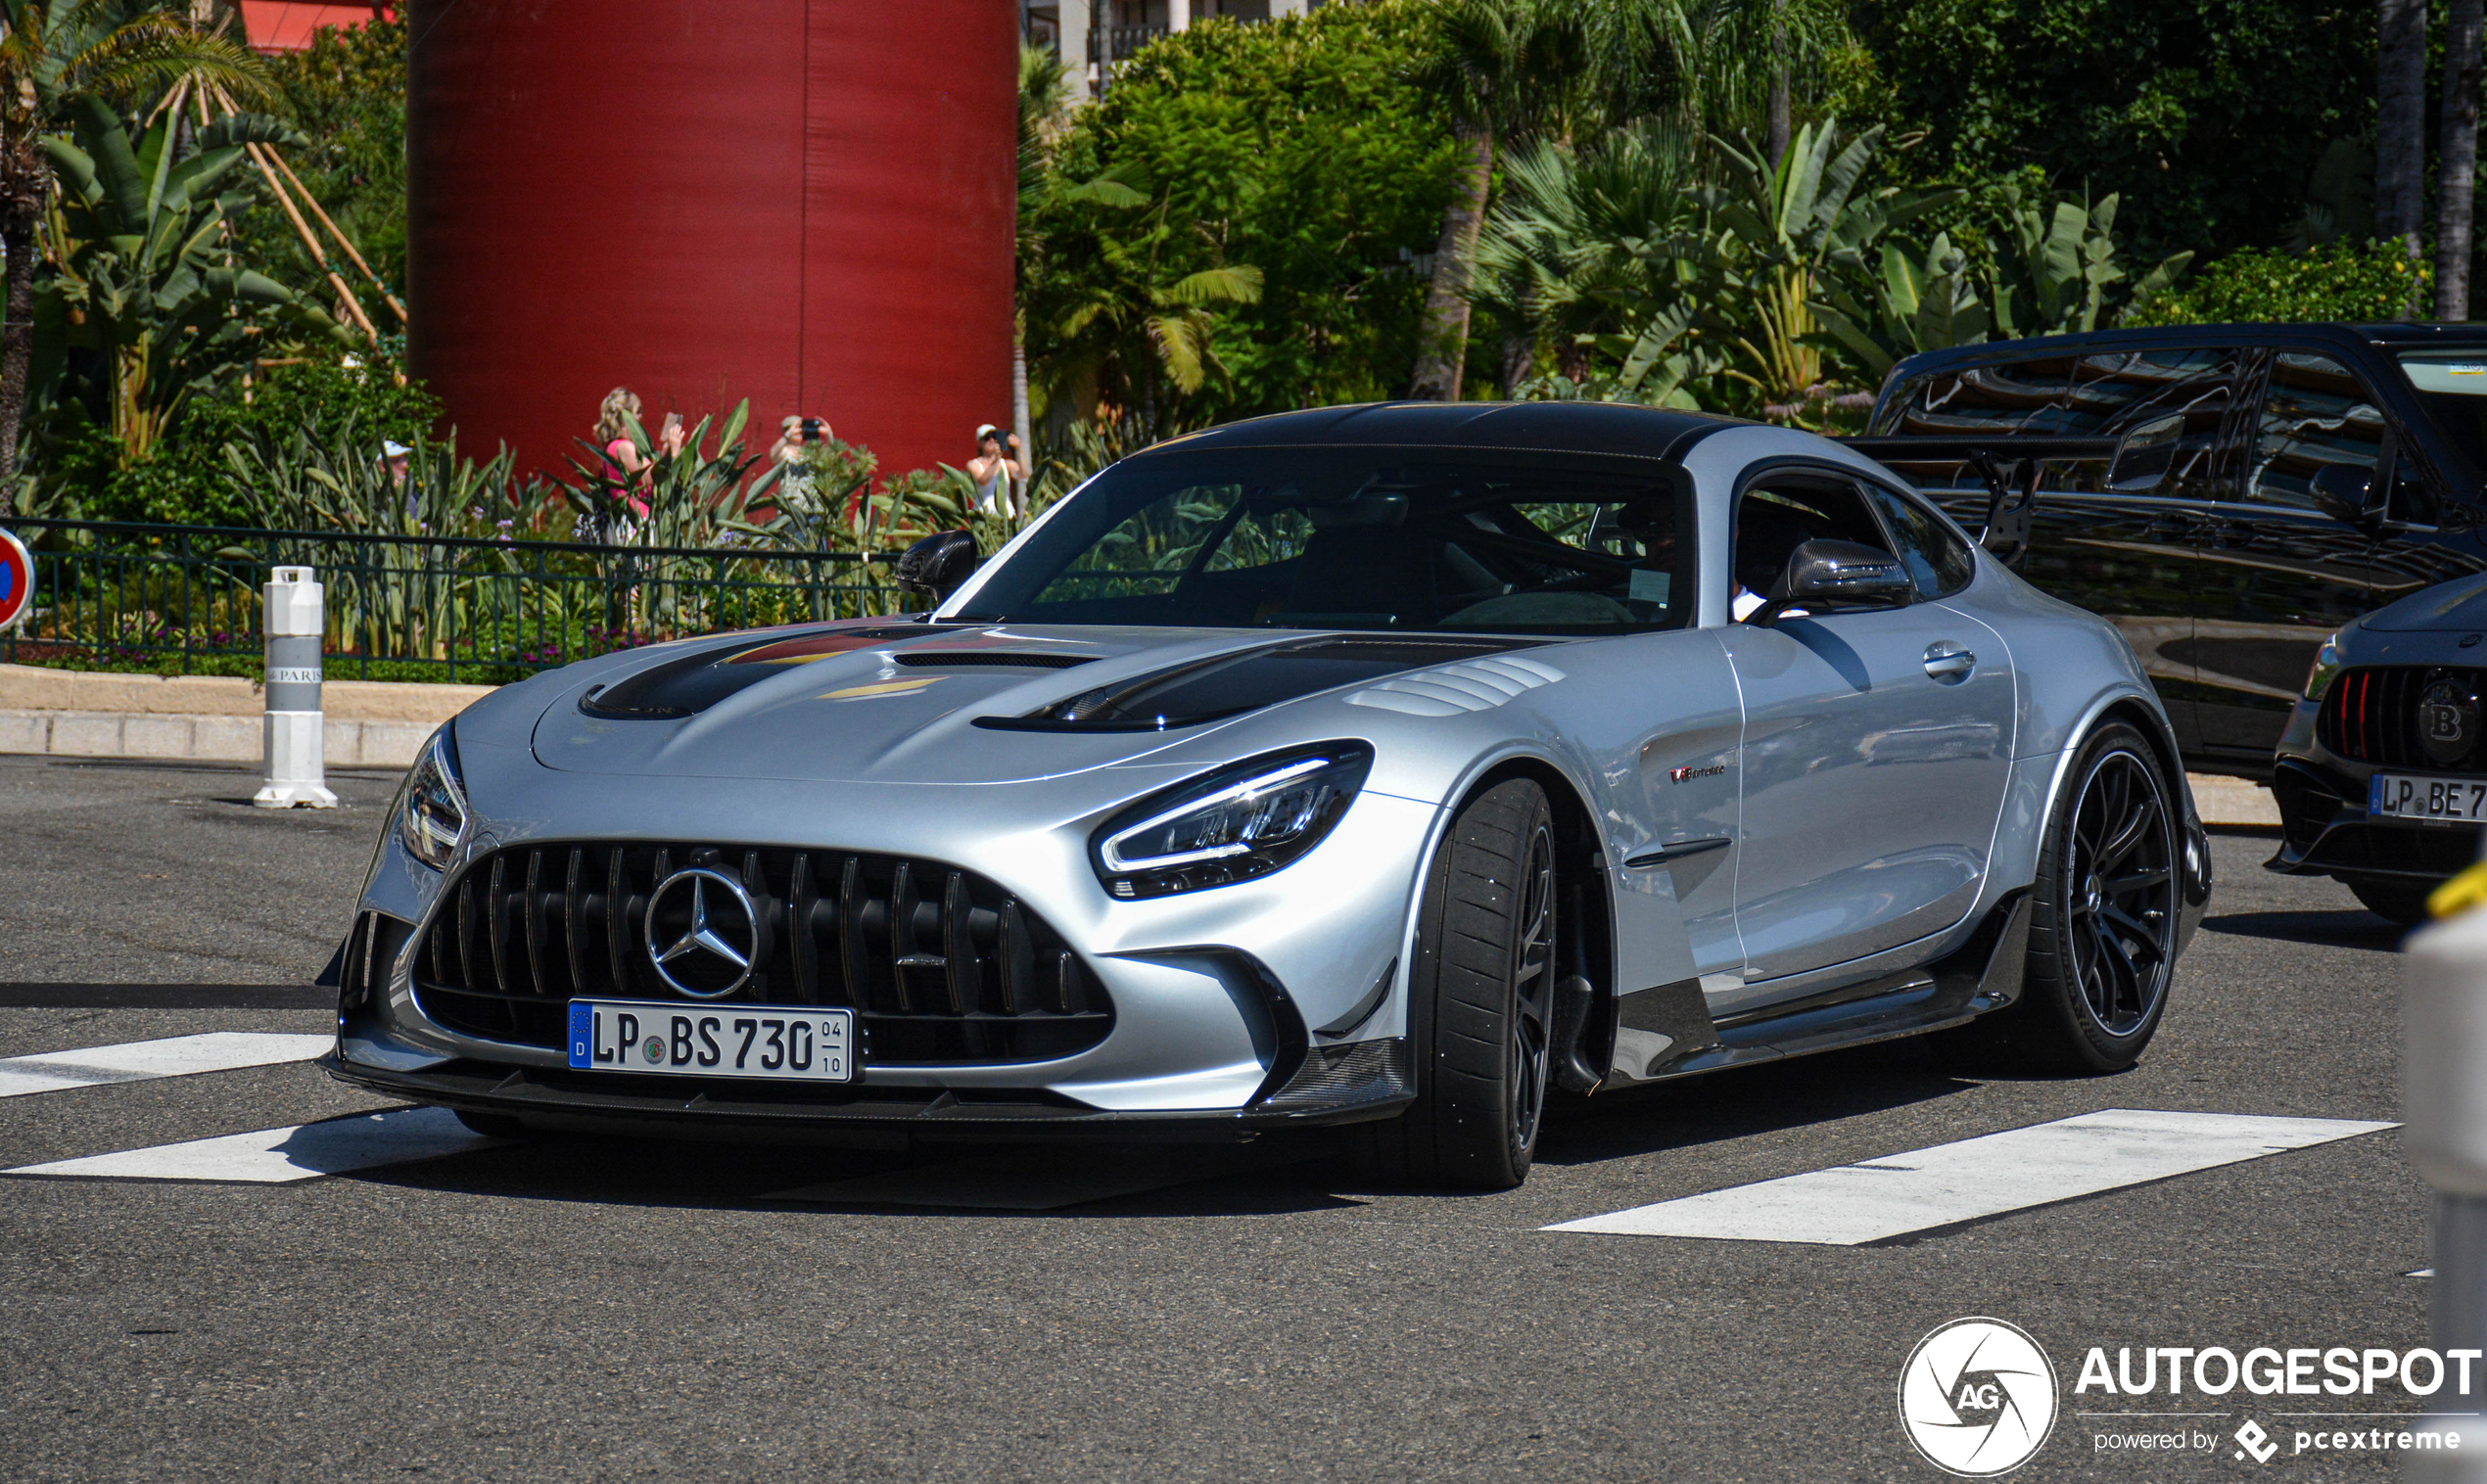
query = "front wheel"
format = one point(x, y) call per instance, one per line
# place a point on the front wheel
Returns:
point(2102, 919)
point(1480, 1000)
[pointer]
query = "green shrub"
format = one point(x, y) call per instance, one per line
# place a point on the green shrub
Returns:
point(2352, 282)
point(186, 480)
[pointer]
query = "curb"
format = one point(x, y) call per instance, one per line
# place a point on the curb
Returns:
point(196, 737)
point(2233, 801)
point(32, 688)
point(211, 718)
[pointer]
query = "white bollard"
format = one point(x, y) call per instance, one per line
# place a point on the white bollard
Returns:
point(292, 739)
point(2444, 1100)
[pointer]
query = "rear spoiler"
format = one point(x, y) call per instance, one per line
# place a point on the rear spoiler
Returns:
point(2012, 464)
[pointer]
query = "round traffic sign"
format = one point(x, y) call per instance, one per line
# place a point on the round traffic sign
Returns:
point(16, 579)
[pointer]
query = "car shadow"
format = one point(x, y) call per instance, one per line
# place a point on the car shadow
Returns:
point(1769, 1097)
point(2355, 928)
point(1052, 1180)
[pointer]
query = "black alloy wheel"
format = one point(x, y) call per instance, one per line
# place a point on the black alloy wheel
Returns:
point(1480, 1000)
point(2120, 893)
point(2103, 920)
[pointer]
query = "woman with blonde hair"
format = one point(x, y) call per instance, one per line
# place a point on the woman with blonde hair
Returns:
point(623, 464)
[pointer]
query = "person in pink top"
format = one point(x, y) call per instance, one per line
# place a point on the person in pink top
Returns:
point(622, 461)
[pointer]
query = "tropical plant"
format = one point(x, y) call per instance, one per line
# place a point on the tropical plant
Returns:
point(1902, 300)
point(396, 598)
point(52, 55)
point(1136, 329)
point(1298, 147)
point(1780, 235)
point(141, 282)
point(1580, 236)
point(2052, 270)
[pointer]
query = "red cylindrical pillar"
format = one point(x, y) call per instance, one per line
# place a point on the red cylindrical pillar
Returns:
point(806, 203)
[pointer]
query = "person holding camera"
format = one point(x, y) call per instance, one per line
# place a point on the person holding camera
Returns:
point(992, 466)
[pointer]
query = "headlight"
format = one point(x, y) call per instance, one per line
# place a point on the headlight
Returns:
point(2327, 666)
point(433, 817)
point(1232, 824)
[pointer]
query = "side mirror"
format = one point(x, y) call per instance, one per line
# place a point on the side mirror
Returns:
point(2144, 456)
point(939, 565)
point(1827, 574)
point(2344, 493)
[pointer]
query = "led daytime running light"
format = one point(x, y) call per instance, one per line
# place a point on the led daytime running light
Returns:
point(436, 816)
point(2329, 663)
point(1249, 789)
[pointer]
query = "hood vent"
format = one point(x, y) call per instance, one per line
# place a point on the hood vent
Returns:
point(1230, 685)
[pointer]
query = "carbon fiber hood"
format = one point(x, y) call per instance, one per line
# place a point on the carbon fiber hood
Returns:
point(907, 703)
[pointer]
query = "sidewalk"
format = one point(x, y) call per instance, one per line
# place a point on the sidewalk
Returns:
point(82, 714)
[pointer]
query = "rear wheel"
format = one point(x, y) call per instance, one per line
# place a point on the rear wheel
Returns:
point(2102, 919)
point(2400, 904)
point(1480, 1000)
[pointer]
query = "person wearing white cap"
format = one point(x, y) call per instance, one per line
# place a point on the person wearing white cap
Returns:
point(991, 466)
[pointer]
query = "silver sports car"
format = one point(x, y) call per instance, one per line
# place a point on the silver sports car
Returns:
point(1389, 765)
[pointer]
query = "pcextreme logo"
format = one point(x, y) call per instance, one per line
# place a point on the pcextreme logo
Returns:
point(1976, 1397)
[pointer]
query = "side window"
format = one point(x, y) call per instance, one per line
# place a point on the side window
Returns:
point(2315, 412)
point(1780, 513)
point(1934, 554)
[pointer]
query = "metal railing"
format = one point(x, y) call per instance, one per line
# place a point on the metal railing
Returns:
point(186, 599)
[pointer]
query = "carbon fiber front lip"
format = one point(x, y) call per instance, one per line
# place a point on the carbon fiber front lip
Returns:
point(523, 1092)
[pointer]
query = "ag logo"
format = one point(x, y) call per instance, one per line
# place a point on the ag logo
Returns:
point(1977, 1397)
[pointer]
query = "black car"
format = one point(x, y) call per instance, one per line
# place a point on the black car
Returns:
point(2232, 496)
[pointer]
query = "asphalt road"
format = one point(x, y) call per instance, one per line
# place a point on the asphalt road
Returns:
point(596, 1310)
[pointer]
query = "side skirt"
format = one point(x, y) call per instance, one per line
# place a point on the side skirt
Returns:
point(1667, 1032)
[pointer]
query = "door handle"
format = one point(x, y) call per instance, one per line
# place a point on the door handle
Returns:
point(1948, 663)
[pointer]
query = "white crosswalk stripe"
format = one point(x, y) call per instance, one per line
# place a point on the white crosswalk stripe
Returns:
point(276, 1157)
point(1974, 1179)
point(143, 1061)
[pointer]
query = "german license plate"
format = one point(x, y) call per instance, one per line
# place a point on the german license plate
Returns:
point(2434, 801)
point(776, 1042)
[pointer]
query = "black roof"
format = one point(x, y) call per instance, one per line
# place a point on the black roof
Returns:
point(2345, 336)
point(1568, 427)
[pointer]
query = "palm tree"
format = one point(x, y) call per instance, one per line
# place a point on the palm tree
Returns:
point(2458, 164)
point(51, 54)
point(1582, 238)
point(1044, 100)
point(1493, 67)
point(2400, 129)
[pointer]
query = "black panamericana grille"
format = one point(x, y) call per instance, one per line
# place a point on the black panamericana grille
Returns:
point(941, 965)
point(2370, 715)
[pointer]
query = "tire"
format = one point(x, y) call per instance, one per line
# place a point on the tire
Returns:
point(493, 1125)
point(2103, 920)
point(2395, 902)
point(1481, 1001)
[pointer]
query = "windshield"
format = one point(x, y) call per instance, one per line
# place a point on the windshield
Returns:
point(2452, 385)
point(1369, 539)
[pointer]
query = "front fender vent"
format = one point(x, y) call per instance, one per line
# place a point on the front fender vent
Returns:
point(942, 967)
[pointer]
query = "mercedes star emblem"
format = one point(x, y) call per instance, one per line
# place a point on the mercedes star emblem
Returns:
point(703, 946)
